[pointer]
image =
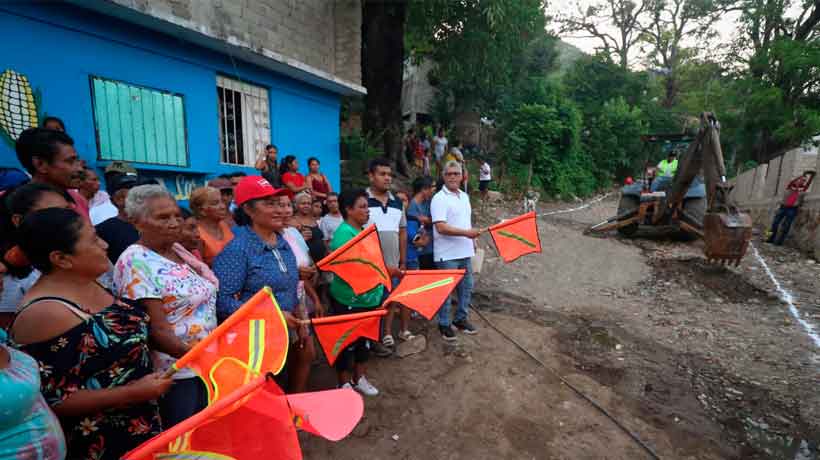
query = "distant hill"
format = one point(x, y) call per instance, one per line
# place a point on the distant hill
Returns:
point(567, 55)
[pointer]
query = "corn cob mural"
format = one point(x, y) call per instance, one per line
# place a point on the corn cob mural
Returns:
point(18, 105)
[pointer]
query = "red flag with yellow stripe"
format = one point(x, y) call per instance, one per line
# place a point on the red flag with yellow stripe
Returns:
point(337, 332)
point(515, 237)
point(359, 262)
point(252, 341)
point(256, 421)
point(425, 290)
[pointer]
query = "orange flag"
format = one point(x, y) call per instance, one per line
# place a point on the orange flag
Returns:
point(359, 262)
point(425, 290)
point(515, 237)
point(256, 421)
point(337, 332)
point(331, 414)
point(252, 341)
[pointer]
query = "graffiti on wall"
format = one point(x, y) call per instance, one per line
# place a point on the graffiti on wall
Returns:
point(179, 185)
point(19, 105)
point(184, 186)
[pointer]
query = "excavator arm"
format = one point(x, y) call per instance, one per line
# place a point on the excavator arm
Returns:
point(725, 229)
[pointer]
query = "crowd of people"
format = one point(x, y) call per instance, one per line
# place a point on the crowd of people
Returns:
point(102, 290)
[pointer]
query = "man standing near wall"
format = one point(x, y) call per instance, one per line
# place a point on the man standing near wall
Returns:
point(453, 246)
point(788, 208)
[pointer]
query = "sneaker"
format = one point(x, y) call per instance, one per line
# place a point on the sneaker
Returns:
point(347, 386)
point(364, 387)
point(406, 335)
point(447, 333)
point(380, 350)
point(388, 341)
point(465, 327)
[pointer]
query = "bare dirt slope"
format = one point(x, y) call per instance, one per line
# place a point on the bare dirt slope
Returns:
point(701, 362)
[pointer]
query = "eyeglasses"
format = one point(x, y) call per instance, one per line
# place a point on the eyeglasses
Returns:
point(452, 174)
point(282, 267)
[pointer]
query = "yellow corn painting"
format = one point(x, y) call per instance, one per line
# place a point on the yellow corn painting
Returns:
point(18, 105)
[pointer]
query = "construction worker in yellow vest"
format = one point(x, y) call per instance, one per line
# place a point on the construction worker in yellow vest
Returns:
point(668, 166)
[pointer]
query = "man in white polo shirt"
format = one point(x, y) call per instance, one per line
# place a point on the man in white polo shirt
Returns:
point(387, 212)
point(453, 246)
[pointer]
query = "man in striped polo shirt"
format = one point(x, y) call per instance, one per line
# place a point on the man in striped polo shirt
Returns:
point(387, 212)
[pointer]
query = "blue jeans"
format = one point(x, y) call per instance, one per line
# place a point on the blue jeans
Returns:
point(464, 290)
point(786, 216)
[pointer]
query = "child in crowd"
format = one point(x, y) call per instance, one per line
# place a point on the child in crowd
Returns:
point(485, 175)
point(189, 233)
point(331, 221)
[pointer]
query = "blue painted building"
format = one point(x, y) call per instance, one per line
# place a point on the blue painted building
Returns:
point(177, 103)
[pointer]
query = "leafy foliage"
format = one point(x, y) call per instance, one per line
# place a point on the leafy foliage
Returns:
point(546, 135)
point(474, 43)
point(613, 140)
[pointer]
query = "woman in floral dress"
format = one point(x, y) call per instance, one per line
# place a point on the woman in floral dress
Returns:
point(92, 349)
point(177, 292)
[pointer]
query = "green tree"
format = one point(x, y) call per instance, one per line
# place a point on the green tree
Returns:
point(779, 87)
point(671, 23)
point(476, 45)
point(613, 141)
point(593, 79)
point(616, 24)
point(545, 134)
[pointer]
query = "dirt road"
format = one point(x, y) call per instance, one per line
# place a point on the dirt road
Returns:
point(700, 362)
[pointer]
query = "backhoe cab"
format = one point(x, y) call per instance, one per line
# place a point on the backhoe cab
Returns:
point(695, 201)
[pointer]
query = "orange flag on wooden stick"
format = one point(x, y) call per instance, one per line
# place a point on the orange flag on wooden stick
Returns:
point(252, 341)
point(337, 332)
point(256, 421)
point(515, 237)
point(359, 262)
point(425, 290)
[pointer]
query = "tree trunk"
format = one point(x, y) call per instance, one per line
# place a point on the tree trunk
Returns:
point(670, 90)
point(529, 174)
point(382, 73)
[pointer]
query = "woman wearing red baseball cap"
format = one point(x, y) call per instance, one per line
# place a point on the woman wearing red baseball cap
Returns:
point(259, 256)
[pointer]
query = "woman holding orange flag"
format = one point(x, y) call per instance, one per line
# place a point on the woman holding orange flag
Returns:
point(351, 364)
point(259, 256)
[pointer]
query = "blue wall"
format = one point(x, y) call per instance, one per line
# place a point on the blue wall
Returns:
point(58, 47)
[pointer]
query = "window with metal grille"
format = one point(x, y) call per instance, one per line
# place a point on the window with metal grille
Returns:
point(244, 121)
point(138, 124)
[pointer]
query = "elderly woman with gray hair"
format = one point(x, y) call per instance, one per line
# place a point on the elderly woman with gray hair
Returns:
point(178, 293)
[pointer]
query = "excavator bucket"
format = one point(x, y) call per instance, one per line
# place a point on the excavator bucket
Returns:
point(726, 236)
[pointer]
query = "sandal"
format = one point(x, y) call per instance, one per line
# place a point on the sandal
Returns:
point(406, 335)
point(388, 341)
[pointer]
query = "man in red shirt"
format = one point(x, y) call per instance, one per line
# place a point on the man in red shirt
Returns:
point(788, 208)
point(49, 156)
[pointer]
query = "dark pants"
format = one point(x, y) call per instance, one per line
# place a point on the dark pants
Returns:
point(426, 262)
point(185, 398)
point(786, 216)
point(357, 352)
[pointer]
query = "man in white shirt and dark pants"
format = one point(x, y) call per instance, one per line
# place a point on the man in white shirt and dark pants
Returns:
point(453, 246)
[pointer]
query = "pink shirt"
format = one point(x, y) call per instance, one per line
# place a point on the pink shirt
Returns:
point(80, 203)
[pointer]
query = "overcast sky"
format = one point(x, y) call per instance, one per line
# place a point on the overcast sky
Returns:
point(726, 27)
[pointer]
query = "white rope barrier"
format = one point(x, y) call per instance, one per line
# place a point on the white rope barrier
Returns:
point(583, 206)
point(788, 299)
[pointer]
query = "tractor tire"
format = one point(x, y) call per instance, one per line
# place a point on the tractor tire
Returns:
point(628, 203)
